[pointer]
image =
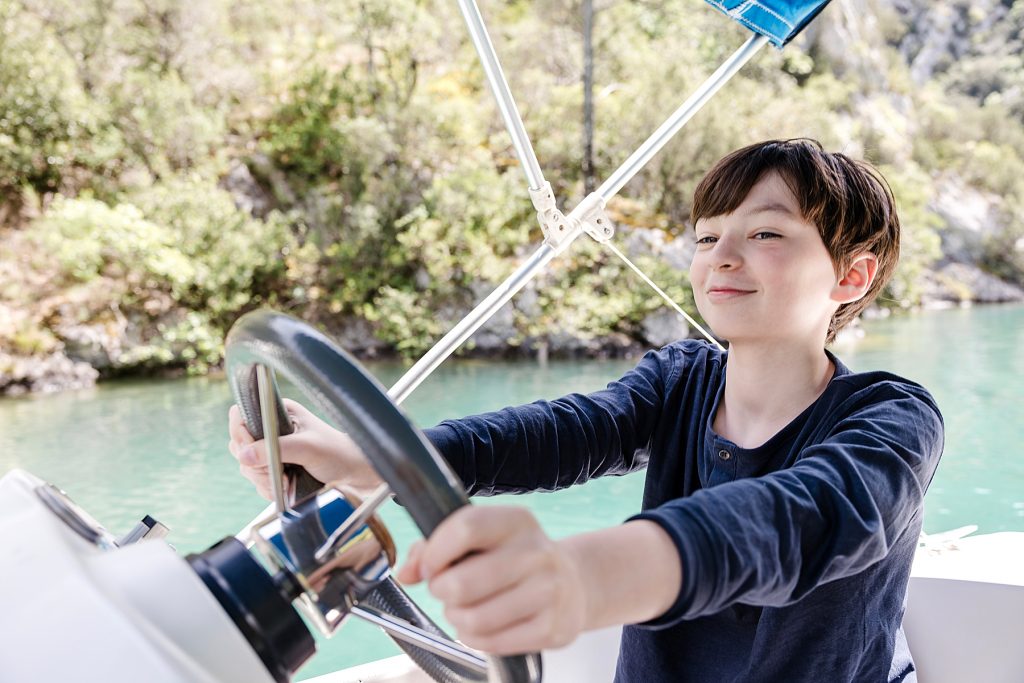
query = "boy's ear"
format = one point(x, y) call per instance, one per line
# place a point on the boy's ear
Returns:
point(857, 279)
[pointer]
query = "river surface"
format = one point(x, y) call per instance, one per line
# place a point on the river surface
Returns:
point(129, 448)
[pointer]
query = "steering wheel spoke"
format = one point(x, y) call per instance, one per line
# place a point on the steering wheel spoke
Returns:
point(268, 398)
point(358, 518)
point(414, 635)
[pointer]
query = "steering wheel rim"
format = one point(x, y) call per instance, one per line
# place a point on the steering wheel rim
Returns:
point(352, 400)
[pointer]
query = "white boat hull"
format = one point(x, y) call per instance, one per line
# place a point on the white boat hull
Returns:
point(964, 622)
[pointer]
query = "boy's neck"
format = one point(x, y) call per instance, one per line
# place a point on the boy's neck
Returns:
point(766, 386)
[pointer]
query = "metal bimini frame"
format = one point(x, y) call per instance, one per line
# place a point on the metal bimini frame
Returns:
point(560, 230)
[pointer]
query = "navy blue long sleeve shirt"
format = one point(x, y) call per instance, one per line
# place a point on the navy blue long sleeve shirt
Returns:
point(795, 554)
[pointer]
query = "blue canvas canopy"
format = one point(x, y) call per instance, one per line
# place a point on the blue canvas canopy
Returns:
point(777, 20)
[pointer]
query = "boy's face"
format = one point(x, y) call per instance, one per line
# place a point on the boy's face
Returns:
point(762, 272)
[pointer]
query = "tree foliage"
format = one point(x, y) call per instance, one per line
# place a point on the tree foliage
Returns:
point(345, 161)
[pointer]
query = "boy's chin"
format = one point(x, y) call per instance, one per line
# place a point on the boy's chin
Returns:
point(763, 336)
point(746, 334)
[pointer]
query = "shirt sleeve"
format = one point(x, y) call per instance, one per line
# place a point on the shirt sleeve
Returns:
point(770, 540)
point(549, 445)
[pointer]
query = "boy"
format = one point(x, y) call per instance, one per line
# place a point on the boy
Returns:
point(783, 497)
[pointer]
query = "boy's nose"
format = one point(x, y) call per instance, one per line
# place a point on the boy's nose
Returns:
point(725, 256)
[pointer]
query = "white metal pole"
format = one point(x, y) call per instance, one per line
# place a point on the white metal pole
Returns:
point(444, 347)
point(469, 324)
point(482, 312)
point(489, 306)
point(502, 94)
point(679, 117)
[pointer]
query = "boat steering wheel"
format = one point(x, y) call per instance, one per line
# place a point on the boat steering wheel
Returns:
point(352, 400)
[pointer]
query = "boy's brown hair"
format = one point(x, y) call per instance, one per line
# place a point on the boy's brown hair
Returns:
point(849, 201)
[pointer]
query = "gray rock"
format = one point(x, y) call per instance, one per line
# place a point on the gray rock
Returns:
point(91, 344)
point(940, 34)
point(962, 283)
point(247, 194)
point(264, 167)
point(970, 216)
point(564, 343)
point(840, 34)
point(356, 336)
point(47, 374)
point(664, 326)
point(494, 334)
point(678, 252)
point(422, 279)
point(642, 241)
point(618, 345)
point(527, 301)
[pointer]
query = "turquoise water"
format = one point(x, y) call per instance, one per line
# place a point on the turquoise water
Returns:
point(127, 449)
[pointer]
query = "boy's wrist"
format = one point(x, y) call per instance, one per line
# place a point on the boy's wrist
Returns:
point(578, 551)
point(629, 574)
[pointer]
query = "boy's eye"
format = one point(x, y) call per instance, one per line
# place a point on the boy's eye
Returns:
point(707, 239)
point(766, 235)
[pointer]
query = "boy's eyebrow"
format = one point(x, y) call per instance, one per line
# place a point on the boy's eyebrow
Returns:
point(767, 207)
point(773, 207)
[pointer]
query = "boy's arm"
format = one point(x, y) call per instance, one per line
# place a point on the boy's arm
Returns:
point(507, 588)
point(630, 573)
point(548, 445)
point(771, 540)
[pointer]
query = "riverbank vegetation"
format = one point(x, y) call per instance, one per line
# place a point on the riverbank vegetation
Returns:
point(167, 166)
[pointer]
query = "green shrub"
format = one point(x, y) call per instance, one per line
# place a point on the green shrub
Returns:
point(919, 239)
point(89, 238)
point(184, 239)
point(39, 122)
point(1004, 251)
point(223, 259)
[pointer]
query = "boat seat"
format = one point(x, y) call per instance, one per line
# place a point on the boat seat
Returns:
point(965, 610)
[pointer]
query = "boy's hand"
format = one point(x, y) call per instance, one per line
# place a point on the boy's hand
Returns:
point(507, 588)
point(326, 453)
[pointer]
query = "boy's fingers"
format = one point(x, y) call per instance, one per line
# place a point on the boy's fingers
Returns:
point(259, 477)
point(296, 448)
point(503, 610)
point(236, 427)
point(251, 455)
point(469, 529)
point(481, 576)
point(410, 572)
point(297, 413)
point(253, 452)
point(293, 408)
point(514, 639)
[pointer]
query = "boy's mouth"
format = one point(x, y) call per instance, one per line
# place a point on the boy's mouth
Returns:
point(722, 293)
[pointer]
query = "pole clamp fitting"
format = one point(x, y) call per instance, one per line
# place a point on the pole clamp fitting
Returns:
point(557, 228)
point(593, 219)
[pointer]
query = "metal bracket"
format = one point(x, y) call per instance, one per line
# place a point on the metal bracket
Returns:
point(593, 219)
point(559, 230)
point(554, 224)
point(148, 528)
